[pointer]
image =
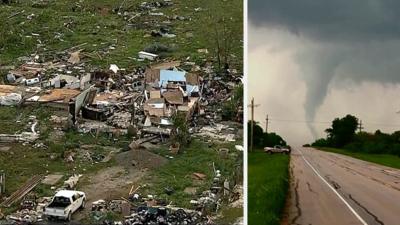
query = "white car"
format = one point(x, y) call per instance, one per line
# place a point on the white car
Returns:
point(64, 204)
point(277, 149)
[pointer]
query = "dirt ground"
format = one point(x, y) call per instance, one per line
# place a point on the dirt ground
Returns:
point(144, 159)
point(116, 182)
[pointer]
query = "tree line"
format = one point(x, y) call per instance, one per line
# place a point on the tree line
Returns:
point(263, 139)
point(343, 134)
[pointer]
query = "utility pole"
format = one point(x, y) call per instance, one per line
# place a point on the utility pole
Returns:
point(360, 127)
point(266, 124)
point(252, 105)
point(252, 125)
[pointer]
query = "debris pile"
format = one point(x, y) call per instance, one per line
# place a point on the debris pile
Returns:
point(72, 181)
point(218, 131)
point(24, 137)
point(236, 200)
point(148, 214)
point(116, 99)
point(31, 211)
point(26, 216)
point(210, 200)
point(165, 215)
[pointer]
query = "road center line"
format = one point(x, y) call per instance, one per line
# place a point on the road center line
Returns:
point(334, 190)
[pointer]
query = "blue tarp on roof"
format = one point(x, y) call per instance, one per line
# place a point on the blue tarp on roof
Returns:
point(170, 75)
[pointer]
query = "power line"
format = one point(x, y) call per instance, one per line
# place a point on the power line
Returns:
point(299, 121)
point(383, 124)
point(326, 122)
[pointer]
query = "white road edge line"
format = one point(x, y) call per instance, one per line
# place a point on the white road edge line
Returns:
point(334, 190)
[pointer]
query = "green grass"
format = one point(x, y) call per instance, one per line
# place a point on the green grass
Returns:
point(22, 161)
point(97, 23)
point(15, 119)
point(229, 216)
point(268, 182)
point(382, 159)
point(198, 157)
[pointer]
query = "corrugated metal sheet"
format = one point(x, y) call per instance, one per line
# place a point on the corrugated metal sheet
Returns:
point(169, 75)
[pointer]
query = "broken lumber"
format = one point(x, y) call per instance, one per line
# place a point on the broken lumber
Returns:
point(20, 193)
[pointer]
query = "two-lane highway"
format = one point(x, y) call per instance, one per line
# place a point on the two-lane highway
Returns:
point(330, 189)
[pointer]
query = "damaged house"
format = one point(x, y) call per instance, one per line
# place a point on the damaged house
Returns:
point(99, 100)
point(169, 92)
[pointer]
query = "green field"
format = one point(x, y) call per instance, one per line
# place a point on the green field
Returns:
point(382, 159)
point(111, 31)
point(198, 157)
point(267, 187)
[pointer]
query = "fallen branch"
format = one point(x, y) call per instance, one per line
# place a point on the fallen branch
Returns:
point(15, 14)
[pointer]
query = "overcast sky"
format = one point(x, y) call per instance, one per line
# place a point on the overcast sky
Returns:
point(312, 61)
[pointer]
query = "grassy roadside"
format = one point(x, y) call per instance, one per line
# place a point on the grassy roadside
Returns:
point(382, 159)
point(267, 187)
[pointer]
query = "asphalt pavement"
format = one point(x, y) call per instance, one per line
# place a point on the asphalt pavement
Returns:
point(329, 189)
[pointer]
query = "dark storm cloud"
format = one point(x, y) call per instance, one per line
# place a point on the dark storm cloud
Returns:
point(354, 40)
point(341, 20)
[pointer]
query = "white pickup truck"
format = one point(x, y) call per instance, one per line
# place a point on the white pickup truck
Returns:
point(64, 204)
point(277, 149)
